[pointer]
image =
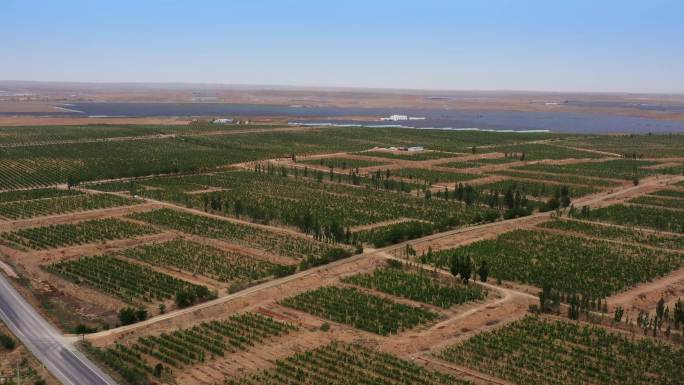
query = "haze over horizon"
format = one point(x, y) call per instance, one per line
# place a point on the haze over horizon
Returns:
point(583, 46)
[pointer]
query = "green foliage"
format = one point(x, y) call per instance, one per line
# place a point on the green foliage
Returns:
point(127, 281)
point(550, 352)
point(342, 163)
point(341, 364)
point(363, 311)
point(225, 266)
point(569, 264)
point(61, 205)
point(433, 176)
point(80, 233)
point(617, 169)
point(250, 236)
point(188, 346)
point(396, 232)
point(129, 315)
point(417, 286)
point(642, 216)
point(7, 342)
point(622, 234)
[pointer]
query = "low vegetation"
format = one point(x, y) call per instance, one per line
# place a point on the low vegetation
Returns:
point(128, 281)
point(551, 352)
point(417, 285)
point(340, 364)
point(360, 310)
point(70, 234)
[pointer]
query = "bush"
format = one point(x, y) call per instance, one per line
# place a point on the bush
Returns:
point(7, 342)
point(129, 315)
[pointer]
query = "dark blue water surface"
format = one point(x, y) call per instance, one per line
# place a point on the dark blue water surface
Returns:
point(437, 118)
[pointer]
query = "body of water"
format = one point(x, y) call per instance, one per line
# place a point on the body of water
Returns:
point(434, 118)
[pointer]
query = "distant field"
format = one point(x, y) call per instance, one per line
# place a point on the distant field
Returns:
point(414, 156)
point(642, 216)
point(342, 163)
point(432, 176)
point(616, 169)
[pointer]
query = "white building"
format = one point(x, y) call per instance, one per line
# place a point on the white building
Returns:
point(396, 118)
point(222, 121)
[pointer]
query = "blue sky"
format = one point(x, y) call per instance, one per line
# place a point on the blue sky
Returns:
point(599, 45)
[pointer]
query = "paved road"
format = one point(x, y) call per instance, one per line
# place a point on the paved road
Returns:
point(60, 357)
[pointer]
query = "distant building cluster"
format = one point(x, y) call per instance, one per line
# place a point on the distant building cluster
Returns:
point(398, 118)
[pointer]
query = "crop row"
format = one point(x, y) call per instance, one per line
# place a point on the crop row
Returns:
point(322, 209)
point(414, 156)
point(621, 234)
point(360, 310)
point(204, 260)
point(433, 176)
point(345, 364)
point(342, 163)
point(560, 178)
point(567, 263)
point(536, 189)
point(537, 151)
point(653, 200)
point(39, 193)
point(478, 162)
point(669, 193)
point(128, 281)
point(616, 169)
point(250, 236)
point(417, 286)
point(394, 233)
point(61, 205)
point(634, 146)
point(69, 234)
point(642, 216)
point(152, 356)
point(554, 352)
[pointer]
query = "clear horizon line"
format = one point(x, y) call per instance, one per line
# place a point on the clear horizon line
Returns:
point(328, 87)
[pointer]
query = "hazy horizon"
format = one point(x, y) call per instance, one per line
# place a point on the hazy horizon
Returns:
point(527, 46)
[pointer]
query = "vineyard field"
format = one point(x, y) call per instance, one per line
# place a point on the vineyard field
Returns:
point(535, 189)
point(39, 193)
point(61, 205)
point(132, 283)
point(345, 364)
point(552, 352)
point(479, 162)
point(189, 346)
point(669, 193)
point(621, 234)
point(251, 236)
point(652, 200)
point(642, 216)
point(362, 311)
point(432, 176)
point(560, 178)
point(342, 163)
point(413, 156)
point(204, 260)
point(616, 169)
point(569, 264)
point(537, 151)
point(313, 207)
point(70, 234)
point(417, 285)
